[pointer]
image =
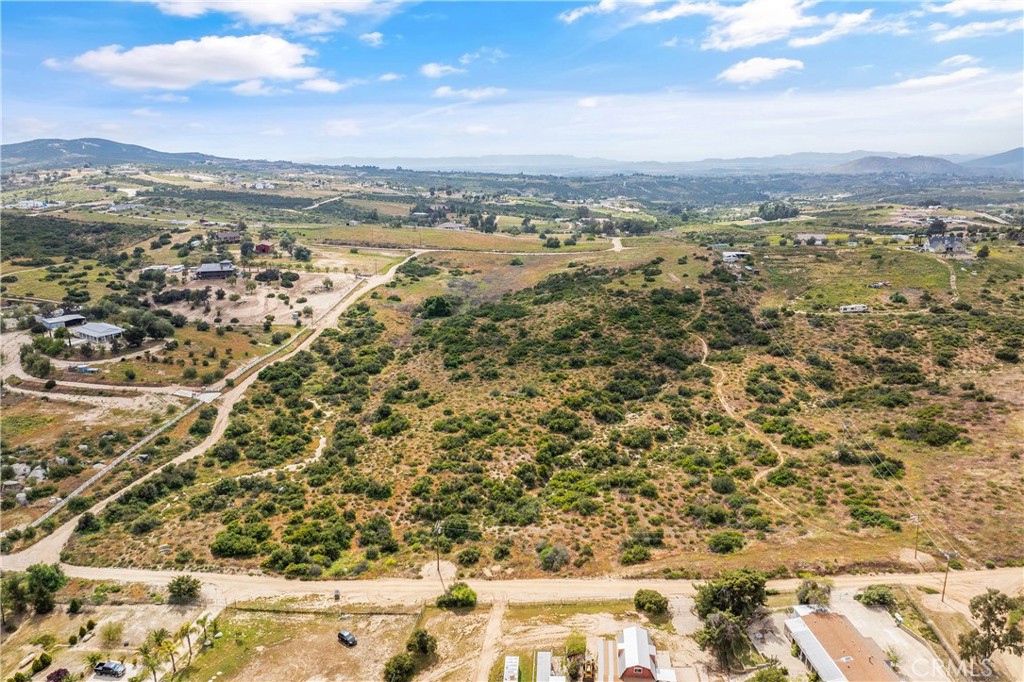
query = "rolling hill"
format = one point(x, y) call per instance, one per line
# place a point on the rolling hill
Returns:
point(1011, 161)
point(54, 153)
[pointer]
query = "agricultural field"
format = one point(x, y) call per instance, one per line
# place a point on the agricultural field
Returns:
point(428, 238)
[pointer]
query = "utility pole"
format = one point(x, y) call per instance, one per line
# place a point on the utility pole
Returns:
point(949, 556)
point(437, 551)
point(917, 534)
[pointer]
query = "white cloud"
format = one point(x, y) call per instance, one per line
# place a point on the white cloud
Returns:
point(589, 102)
point(759, 69)
point(671, 42)
point(168, 98)
point(435, 70)
point(959, 8)
point(941, 81)
point(390, 77)
point(253, 88)
point(303, 16)
point(343, 127)
point(145, 112)
point(489, 54)
point(756, 22)
point(472, 94)
point(959, 60)
point(976, 29)
point(573, 15)
point(186, 63)
point(375, 39)
point(323, 85)
point(843, 24)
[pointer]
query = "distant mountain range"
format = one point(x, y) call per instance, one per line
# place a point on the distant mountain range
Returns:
point(54, 153)
point(1007, 163)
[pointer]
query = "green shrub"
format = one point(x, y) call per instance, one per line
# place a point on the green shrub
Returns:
point(421, 642)
point(726, 542)
point(650, 602)
point(459, 595)
point(634, 554)
point(877, 595)
point(469, 556)
point(399, 668)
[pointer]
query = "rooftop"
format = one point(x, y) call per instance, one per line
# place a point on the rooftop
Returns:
point(836, 650)
point(99, 329)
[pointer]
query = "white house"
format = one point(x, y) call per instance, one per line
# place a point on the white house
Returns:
point(830, 646)
point(733, 256)
point(98, 332)
point(631, 657)
point(511, 671)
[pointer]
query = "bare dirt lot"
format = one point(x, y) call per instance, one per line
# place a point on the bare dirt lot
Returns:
point(267, 299)
point(301, 647)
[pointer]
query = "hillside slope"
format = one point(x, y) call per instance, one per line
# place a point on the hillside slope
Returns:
point(54, 153)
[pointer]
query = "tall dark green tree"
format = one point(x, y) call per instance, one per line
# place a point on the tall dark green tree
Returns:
point(999, 628)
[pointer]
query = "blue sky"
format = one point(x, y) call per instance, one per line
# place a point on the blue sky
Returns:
point(641, 80)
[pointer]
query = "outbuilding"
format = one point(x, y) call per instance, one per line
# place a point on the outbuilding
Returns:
point(856, 308)
point(52, 323)
point(98, 332)
point(220, 270)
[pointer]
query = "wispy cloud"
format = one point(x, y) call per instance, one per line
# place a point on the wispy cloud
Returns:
point(254, 88)
point(942, 80)
point(573, 15)
point(390, 77)
point(168, 98)
point(976, 29)
point(472, 94)
point(959, 8)
point(488, 54)
point(744, 24)
point(374, 39)
point(325, 85)
point(759, 69)
point(436, 70)
point(959, 60)
point(300, 16)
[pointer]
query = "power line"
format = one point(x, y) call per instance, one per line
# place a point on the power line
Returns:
point(850, 425)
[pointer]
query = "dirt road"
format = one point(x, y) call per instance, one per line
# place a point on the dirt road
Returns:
point(48, 549)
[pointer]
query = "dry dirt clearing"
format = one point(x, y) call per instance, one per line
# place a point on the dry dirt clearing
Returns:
point(253, 308)
point(303, 647)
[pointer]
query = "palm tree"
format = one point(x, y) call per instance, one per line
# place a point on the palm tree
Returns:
point(158, 637)
point(203, 623)
point(168, 648)
point(150, 657)
point(151, 662)
point(92, 659)
point(185, 633)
